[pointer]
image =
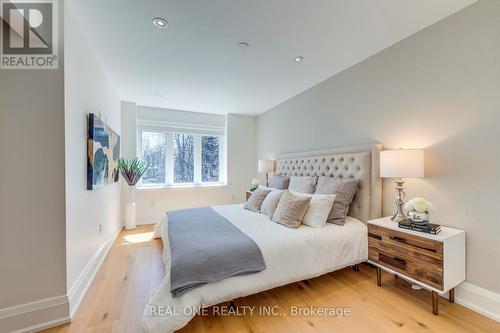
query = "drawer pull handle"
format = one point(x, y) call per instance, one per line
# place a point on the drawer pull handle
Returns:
point(403, 240)
point(374, 236)
point(399, 260)
point(398, 239)
point(392, 260)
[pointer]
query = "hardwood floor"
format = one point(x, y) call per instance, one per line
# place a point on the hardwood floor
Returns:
point(133, 269)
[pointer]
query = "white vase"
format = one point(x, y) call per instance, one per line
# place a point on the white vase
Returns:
point(130, 210)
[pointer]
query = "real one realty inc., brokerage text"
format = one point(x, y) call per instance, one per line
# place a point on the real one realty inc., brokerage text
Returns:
point(246, 310)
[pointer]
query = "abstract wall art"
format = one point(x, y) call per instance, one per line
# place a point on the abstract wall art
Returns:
point(103, 153)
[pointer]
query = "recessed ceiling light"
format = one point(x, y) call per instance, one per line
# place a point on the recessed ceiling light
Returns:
point(160, 23)
point(298, 58)
point(159, 95)
point(243, 45)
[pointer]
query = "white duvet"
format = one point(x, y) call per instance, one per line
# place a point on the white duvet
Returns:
point(290, 255)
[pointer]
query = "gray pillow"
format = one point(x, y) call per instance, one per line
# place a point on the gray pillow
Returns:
point(257, 198)
point(303, 184)
point(291, 210)
point(345, 189)
point(280, 182)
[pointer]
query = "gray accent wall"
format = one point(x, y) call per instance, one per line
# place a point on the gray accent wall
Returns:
point(32, 195)
point(439, 90)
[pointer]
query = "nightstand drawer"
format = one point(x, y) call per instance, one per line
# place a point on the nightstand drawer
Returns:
point(404, 242)
point(416, 257)
point(425, 272)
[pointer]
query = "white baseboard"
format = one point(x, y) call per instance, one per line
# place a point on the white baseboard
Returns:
point(479, 299)
point(144, 221)
point(82, 283)
point(43, 326)
point(24, 317)
point(32, 306)
point(54, 311)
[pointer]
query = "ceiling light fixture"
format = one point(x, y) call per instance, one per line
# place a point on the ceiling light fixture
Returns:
point(243, 45)
point(159, 95)
point(298, 58)
point(160, 23)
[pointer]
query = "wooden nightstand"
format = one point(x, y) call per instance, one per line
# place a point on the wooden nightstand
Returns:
point(247, 195)
point(435, 262)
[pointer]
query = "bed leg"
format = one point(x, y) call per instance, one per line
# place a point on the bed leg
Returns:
point(232, 305)
point(355, 268)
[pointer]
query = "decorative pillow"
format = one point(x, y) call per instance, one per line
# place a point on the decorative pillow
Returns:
point(271, 202)
point(255, 201)
point(303, 184)
point(319, 208)
point(280, 182)
point(291, 210)
point(345, 189)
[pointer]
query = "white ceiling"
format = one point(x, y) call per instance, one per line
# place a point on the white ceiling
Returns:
point(196, 65)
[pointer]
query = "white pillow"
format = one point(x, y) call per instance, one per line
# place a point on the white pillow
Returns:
point(318, 210)
point(271, 202)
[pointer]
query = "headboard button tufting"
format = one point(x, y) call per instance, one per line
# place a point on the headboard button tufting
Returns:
point(359, 162)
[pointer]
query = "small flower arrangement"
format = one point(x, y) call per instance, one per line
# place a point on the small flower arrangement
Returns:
point(255, 184)
point(419, 209)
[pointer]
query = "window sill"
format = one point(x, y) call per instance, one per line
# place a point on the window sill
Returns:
point(156, 187)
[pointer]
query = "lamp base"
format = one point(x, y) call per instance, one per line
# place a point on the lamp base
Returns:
point(399, 215)
point(400, 212)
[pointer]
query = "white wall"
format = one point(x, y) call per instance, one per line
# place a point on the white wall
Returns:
point(241, 154)
point(153, 203)
point(32, 228)
point(438, 90)
point(92, 217)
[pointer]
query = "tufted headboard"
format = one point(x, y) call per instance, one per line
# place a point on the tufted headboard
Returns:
point(360, 162)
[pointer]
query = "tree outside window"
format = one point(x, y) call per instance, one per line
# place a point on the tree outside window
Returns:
point(181, 158)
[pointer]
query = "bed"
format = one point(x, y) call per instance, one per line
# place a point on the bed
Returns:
point(290, 255)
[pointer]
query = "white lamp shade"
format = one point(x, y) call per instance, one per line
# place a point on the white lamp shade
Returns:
point(266, 166)
point(402, 163)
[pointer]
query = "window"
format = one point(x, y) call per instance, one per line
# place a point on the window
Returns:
point(181, 158)
point(210, 158)
point(154, 153)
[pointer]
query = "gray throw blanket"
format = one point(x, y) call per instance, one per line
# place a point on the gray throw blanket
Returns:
point(205, 247)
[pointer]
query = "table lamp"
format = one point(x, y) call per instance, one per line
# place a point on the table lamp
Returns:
point(399, 164)
point(266, 166)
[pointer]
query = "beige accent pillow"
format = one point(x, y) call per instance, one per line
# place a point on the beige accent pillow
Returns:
point(291, 210)
point(271, 202)
point(257, 198)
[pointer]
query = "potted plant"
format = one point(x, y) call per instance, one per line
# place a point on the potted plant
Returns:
point(131, 171)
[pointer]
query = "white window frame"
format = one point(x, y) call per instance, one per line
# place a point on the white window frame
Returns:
point(169, 158)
